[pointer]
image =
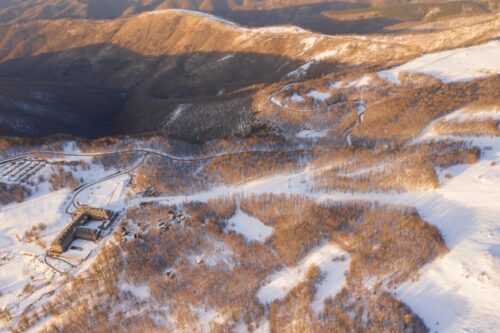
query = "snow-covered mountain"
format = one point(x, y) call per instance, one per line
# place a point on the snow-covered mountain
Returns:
point(177, 170)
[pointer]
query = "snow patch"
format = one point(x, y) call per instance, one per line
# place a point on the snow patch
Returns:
point(207, 317)
point(364, 81)
point(297, 98)
point(279, 29)
point(229, 56)
point(325, 55)
point(460, 292)
point(176, 113)
point(461, 115)
point(194, 12)
point(140, 292)
point(463, 64)
point(319, 95)
point(106, 194)
point(326, 257)
point(310, 134)
point(248, 226)
point(309, 42)
point(301, 71)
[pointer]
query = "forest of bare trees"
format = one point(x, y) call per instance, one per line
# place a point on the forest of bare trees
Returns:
point(232, 269)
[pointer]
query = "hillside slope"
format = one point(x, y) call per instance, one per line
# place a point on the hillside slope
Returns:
point(182, 57)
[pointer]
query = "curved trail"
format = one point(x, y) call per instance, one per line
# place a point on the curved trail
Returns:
point(47, 255)
point(325, 107)
point(146, 152)
point(347, 134)
point(359, 120)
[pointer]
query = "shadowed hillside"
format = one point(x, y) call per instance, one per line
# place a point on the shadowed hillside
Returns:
point(39, 108)
point(177, 58)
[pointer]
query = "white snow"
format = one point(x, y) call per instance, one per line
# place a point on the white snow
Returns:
point(81, 249)
point(278, 29)
point(21, 263)
point(283, 281)
point(364, 81)
point(207, 317)
point(336, 85)
point(194, 12)
point(310, 134)
point(309, 42)
point(276, 101)
point(229, 56)
point(301, 71)
point(461, 291)
point(176, 113)
point(468, 114)
point(248, 226)
point(334, 278)
point(319, 95)
point(140, 292)
point(390, 76)
point(463, 64)
point(325, 55)
point(297, 98)
point(215, 253)
point(460, 115)
point(106, 194)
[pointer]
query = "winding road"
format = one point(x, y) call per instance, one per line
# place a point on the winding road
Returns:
point(145, 152)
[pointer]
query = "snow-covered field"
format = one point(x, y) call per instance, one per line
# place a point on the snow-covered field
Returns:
point(107, 194)
point(310, 134)
point(461, 291)
point(461, 64)
point(332, 261)
point(456, 293)
point(25, 278)
point(249, 226)
point(22, 262)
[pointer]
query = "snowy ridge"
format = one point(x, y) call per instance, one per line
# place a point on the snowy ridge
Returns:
point(279, 29)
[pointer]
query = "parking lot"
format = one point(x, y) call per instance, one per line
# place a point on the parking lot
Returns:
point(20, 171)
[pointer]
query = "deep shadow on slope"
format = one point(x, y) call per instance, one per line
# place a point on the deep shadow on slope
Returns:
point(312, 17)
point(29, 10)
point(308, 16)
point(185, 75)
point(29, 108)
point(217, 87)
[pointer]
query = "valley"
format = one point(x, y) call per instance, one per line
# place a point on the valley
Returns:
point(249, 166)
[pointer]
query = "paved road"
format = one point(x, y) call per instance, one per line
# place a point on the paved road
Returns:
point(146, 152)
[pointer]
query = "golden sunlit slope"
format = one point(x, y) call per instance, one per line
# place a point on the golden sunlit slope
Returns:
point(135, 52)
